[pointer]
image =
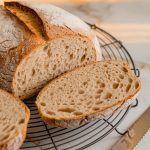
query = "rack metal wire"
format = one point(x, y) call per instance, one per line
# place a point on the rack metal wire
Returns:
point(40, 136)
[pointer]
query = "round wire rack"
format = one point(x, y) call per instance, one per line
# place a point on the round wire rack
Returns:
point(40, 136)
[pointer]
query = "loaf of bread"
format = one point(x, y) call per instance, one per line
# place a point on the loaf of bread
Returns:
point(87, 93)
point(38, 42)
point(14, 117)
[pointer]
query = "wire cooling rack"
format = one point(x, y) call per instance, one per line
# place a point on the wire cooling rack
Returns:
point(40, 136)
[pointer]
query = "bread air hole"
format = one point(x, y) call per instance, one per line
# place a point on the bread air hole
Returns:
point(121, 85)
point(60, 88)
point(136, 85)
point(99, 91)
point(54, 68)
point(130, 80)
point(115, 85)
point(67, 110)
point(121, 76)
point(128, 87)
point(45, 48)
point(99, 102)
point(102, 85)
point(81, 92)
point(6, 127)
point(4, 137)
point(18, 74)
point(95, 108)
point(98, 81)
point(66, 47)
point(64, 104)
point(107, 96)
point(71, 56)
point(46, 66)
point(85, 83)
point(33, 72)
point(43, 104)
point(21, 121)
point(48, 51)
point(118, 80)
point(72, 103)
point(50, 112)
point(97, 97)
point(88, 103)
point(124, 69)
point(83, 58)
point(11, 129)
point(77, 113)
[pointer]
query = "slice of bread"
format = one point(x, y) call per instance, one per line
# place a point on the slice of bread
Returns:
point(87, 93)
point(39, 42)
point(14, 117)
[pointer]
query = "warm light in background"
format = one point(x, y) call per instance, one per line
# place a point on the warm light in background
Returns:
point(114, 19)
point(76, 1)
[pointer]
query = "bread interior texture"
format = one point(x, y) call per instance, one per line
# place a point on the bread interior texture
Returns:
point(90, 89)
point(13, 118)
point(49, 61)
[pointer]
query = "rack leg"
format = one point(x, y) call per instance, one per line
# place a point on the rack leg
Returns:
point(116, 128)
point(136, 104)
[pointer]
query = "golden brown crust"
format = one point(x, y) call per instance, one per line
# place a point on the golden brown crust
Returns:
point(13, 6)
point(52, 30)
point(25, 57)
point(76, 122)
point(48, 31)
point(17, 140)
point(18, 41)
point(32, 42)
point(79, 120)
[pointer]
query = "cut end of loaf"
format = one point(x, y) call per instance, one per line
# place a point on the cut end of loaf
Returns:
point(14, 117)
point(49, 61)
point(86, 91)
point(29, 17)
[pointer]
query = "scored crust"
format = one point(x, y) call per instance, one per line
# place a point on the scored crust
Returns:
point(15, 42)
point(82, 119)
point(51, 26)
point(55, 21)
point(17, 140)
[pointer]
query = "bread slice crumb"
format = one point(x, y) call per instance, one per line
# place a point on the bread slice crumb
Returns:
point(87, 91)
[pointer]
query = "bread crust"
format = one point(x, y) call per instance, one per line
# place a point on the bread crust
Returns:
point(17, 140)
point(17, 41)
point(57, 22)
point(31, 41)
point(26, 57)
point(82, 119)
point(76, 122)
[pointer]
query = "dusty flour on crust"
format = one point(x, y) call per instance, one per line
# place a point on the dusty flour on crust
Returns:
point(56, 16)
point(13, 144)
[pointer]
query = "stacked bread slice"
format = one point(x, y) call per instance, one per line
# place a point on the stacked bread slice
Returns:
point(87, 93)
point(14, 117)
